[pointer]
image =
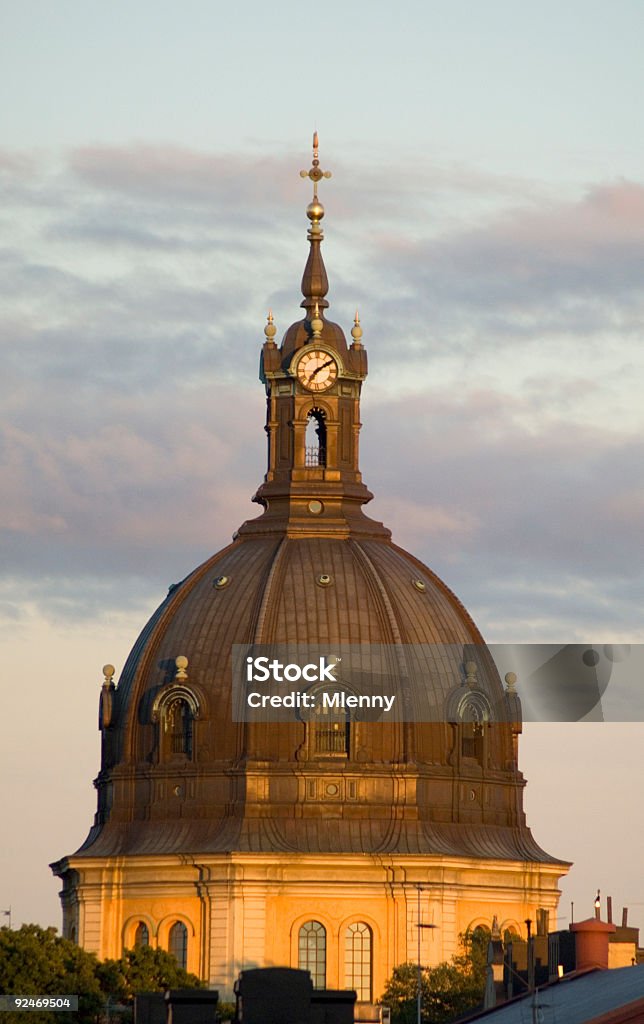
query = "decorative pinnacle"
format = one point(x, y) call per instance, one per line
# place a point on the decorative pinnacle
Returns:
point(317, 323)
point(511, 682)
point(181, 664)
point(108, 672)
point(471, 670)
point(356, 332)
point(270, 330)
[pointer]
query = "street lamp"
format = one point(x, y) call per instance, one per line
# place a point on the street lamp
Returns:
point(419, 994)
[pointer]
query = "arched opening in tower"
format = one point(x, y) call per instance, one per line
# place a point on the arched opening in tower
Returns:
point(315, 439)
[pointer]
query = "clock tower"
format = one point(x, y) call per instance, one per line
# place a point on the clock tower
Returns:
point(313, 484)
point(306, 843)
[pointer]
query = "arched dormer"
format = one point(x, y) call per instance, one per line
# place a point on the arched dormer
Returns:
point(469, 708)
point(176, 707)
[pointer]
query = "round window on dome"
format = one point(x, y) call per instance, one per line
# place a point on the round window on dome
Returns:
point(315, 507)
point(324, 580)
point(420, 585)
point(220, 582)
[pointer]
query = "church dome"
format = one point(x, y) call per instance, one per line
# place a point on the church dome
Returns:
point(179, 775)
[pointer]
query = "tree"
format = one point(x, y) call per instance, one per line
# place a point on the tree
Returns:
point(36, 961)
point(143, 969)
point(447, 991)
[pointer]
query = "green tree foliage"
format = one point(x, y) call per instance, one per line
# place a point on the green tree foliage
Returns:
point(36, 961)
point(447, 991)
point(143, 969)
point(226, 1010)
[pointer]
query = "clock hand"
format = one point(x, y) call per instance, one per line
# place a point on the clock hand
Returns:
point(322, 367)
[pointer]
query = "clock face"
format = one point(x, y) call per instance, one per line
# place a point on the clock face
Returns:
point(317, 370)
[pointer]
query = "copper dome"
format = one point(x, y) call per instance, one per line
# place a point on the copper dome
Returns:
point(424, 787)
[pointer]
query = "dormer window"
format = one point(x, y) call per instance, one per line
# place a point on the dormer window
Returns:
point(176, 708)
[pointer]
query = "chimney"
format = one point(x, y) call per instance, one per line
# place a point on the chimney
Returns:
point(609, 909)
point(625, 917)
point(591, 943)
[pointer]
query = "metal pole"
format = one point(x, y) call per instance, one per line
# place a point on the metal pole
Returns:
point(419, 997)
point(528, 924)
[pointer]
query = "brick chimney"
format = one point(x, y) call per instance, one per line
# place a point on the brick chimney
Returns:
point(591, 942)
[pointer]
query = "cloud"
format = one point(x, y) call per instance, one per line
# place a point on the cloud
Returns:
point(537, 527)
point(563, 268)
point(502, 424)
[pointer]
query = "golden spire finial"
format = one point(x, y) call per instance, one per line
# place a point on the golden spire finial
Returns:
point(315, 174)
point(314, 282)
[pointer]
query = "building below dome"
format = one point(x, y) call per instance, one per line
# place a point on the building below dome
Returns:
point(310, 843)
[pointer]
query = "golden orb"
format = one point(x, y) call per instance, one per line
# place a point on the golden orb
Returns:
point(315, 210)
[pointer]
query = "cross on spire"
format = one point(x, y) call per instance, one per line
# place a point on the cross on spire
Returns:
point(315, 173)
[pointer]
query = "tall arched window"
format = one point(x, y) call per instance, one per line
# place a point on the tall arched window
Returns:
point(358, 959)
point(142, 935)
point(315, 439)
point(178, 943)
point(312, 952)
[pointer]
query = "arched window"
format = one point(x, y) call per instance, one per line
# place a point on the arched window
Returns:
point(312, 952)
point(178, 943)
point(358, 960)
point(176, 708)
point(475, 713)
point(178, 724)
point(315, 442)
point(142, 935)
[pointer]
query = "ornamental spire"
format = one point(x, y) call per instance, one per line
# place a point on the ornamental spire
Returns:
point(315, 283)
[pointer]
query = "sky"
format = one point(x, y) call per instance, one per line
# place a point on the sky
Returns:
point(486, 216)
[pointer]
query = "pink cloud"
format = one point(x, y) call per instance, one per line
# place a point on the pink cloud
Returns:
point(144, 169)
point(606, 215)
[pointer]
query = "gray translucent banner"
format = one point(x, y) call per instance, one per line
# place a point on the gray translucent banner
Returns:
point(438, 682)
